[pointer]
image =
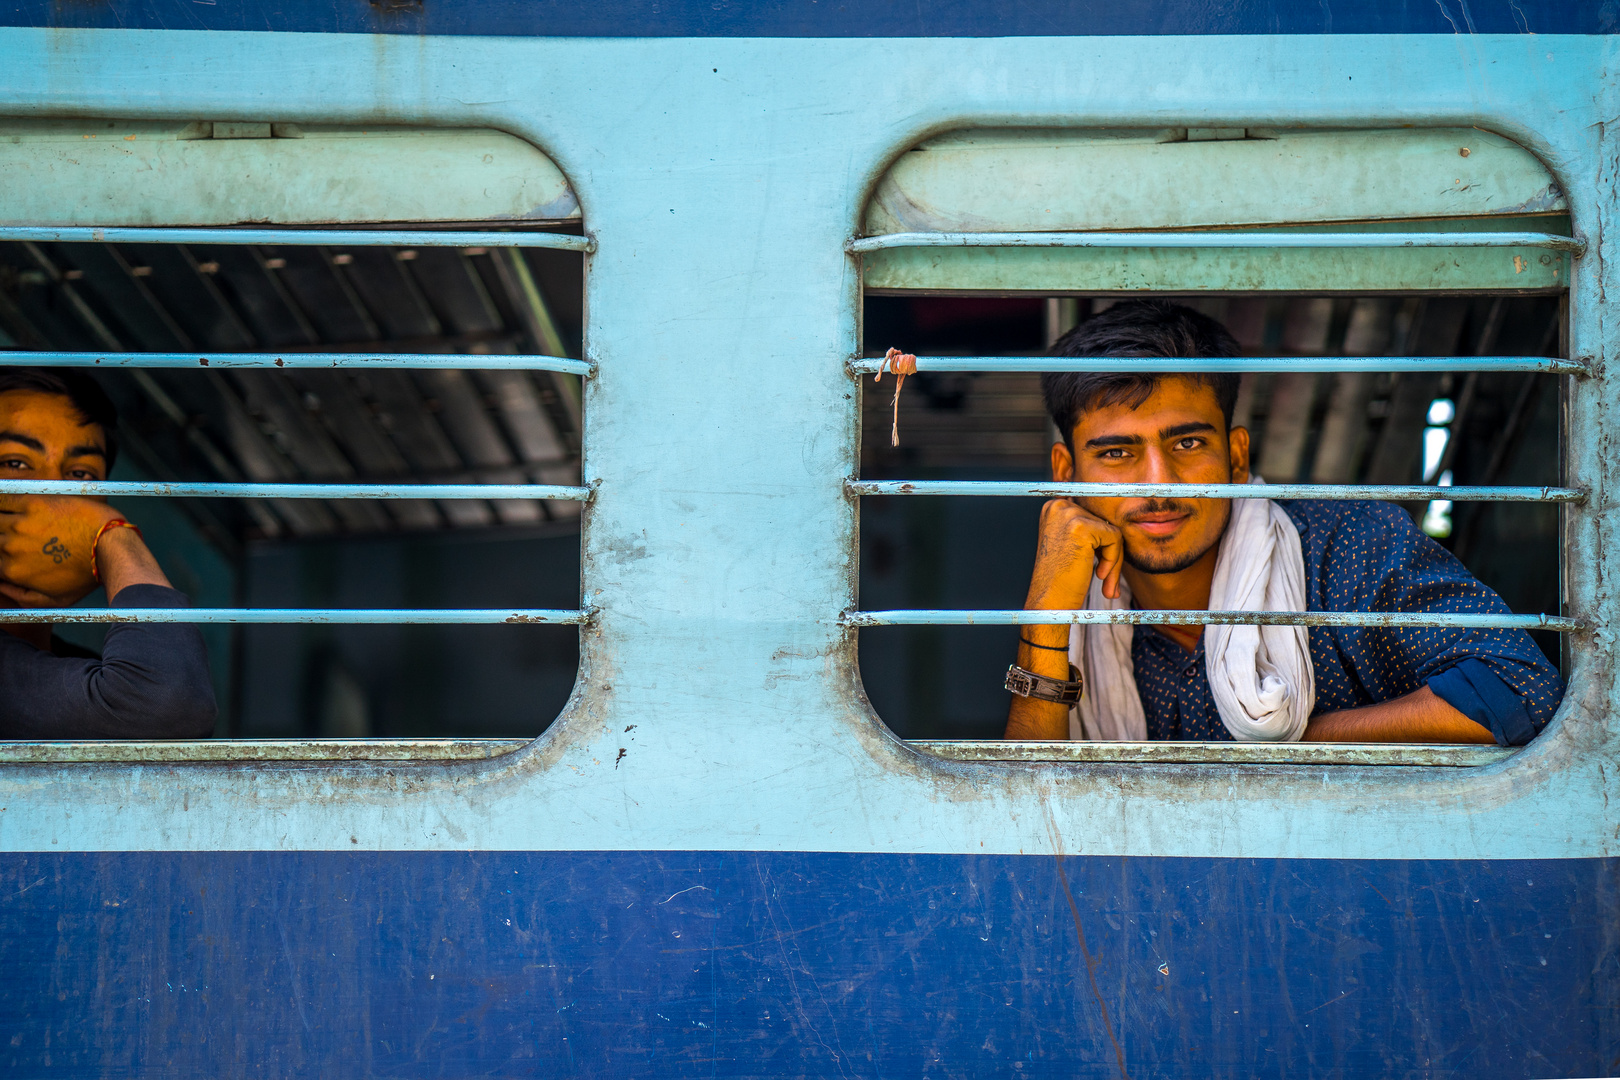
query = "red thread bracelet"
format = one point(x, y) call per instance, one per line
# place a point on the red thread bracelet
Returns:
point(115, 523)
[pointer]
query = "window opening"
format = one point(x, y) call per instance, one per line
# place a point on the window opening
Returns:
point(358, 451)
point(1424, 384)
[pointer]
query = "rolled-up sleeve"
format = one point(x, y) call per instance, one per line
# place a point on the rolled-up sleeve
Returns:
point(1372, 557)
point(151, 682)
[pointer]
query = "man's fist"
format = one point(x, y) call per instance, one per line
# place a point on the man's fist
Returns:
point(1075, 546)
point(45, 547)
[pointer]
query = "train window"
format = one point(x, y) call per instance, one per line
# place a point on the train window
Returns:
point(347, 366)
point(1399, 302)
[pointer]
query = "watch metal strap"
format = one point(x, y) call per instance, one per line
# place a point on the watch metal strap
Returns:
point(1026, 683)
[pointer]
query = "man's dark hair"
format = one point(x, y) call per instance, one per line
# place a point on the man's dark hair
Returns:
point(1135, 328)
point(89, 400)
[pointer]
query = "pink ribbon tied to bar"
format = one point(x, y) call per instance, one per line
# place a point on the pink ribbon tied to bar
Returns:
point(902, 364)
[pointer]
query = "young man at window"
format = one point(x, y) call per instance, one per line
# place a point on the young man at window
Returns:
point(151, 681)
point(1274, 683)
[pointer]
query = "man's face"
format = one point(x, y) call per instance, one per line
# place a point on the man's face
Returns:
point(1177, 436)
point(43, 437)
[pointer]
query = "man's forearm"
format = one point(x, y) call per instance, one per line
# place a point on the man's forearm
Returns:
point(1032, 718)
point(125, 560)
point(1420, 717)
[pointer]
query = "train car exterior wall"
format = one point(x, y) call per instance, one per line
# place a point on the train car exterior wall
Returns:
point(718, 861)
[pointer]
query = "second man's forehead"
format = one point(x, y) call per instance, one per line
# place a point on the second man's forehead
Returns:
point(82, 449)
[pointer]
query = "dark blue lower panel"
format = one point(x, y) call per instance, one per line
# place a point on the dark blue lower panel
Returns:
point(827, 18)
point(789, 964)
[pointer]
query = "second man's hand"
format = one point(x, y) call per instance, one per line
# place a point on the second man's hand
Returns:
point(47, 544)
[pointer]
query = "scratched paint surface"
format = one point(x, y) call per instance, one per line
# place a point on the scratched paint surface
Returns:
point(355, 919)
point(735, 964)
point(808, 18)
point(719, 706)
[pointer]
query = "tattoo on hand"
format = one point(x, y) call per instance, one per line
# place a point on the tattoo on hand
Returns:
point(56, 550)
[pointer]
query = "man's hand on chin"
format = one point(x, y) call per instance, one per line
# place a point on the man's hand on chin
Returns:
point(46, 543)
point(1075, 545)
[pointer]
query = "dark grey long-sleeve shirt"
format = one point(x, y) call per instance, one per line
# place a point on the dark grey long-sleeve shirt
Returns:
point(151, 682)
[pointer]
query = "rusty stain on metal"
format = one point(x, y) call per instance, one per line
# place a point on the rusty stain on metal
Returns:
point(340, 616)
point(1059, 490)
point(1214, 239)
point(1215, 753)
point(1171, 617)
point(1552, 365)
point(89, 752)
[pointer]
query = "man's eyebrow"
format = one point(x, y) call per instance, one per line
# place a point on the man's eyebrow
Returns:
point(26, 440)
point(1104, 441)
point(86, 450)
point(1191, 428)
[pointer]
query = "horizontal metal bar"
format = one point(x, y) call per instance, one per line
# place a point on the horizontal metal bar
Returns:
point(1021, 617)
point(206, 490)
point(871, 365)
point(1216, 240)
point(189, 751)
point(1213, 753)
point(337, 616)
point(467, 361)
point(299, 237)
point(1055, 490)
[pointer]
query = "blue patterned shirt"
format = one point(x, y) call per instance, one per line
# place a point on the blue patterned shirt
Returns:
point(1369, 556)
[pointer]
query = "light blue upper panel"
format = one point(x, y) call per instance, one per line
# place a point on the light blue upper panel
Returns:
point(1402, 179)
point(144, 173)
point(718, 705)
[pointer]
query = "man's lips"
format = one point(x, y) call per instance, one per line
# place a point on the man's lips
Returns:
point(1161, 524)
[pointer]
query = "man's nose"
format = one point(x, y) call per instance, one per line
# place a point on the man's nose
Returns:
point(1159, 469)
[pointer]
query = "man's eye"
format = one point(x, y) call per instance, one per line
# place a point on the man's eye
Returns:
point(1116, 452)
point(82, 474)
point(1189, 444)
point(13, 463)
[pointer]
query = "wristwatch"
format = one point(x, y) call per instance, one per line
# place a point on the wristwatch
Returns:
point(1026, 683)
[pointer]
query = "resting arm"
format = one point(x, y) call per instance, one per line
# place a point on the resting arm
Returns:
point(123, 559)
point(1074, 546)
point(1419, 717)
point(1032, 718)
point(152, 680)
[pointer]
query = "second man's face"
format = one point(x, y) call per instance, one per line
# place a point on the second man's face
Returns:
point(43, 437)
point(1177, 436)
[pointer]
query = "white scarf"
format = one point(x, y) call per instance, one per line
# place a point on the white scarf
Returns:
point(1261, 676)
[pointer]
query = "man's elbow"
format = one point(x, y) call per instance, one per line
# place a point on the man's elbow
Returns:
point(182, 709)
point(193, 717)
point(157, 708)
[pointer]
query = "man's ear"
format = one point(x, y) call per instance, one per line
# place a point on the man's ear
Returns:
point(1237, 440)
point(1063, 463)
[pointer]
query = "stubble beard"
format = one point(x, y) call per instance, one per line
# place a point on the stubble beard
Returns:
point(1174, 564)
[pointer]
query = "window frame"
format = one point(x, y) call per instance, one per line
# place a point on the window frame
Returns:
point(488, 233)
point(1582, 367)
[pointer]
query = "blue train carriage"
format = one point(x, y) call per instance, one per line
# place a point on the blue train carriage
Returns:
point(718, 859)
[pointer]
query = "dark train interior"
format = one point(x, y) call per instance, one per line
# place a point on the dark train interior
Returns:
point(453, 424)
point(944, 682)
point(439, 425)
